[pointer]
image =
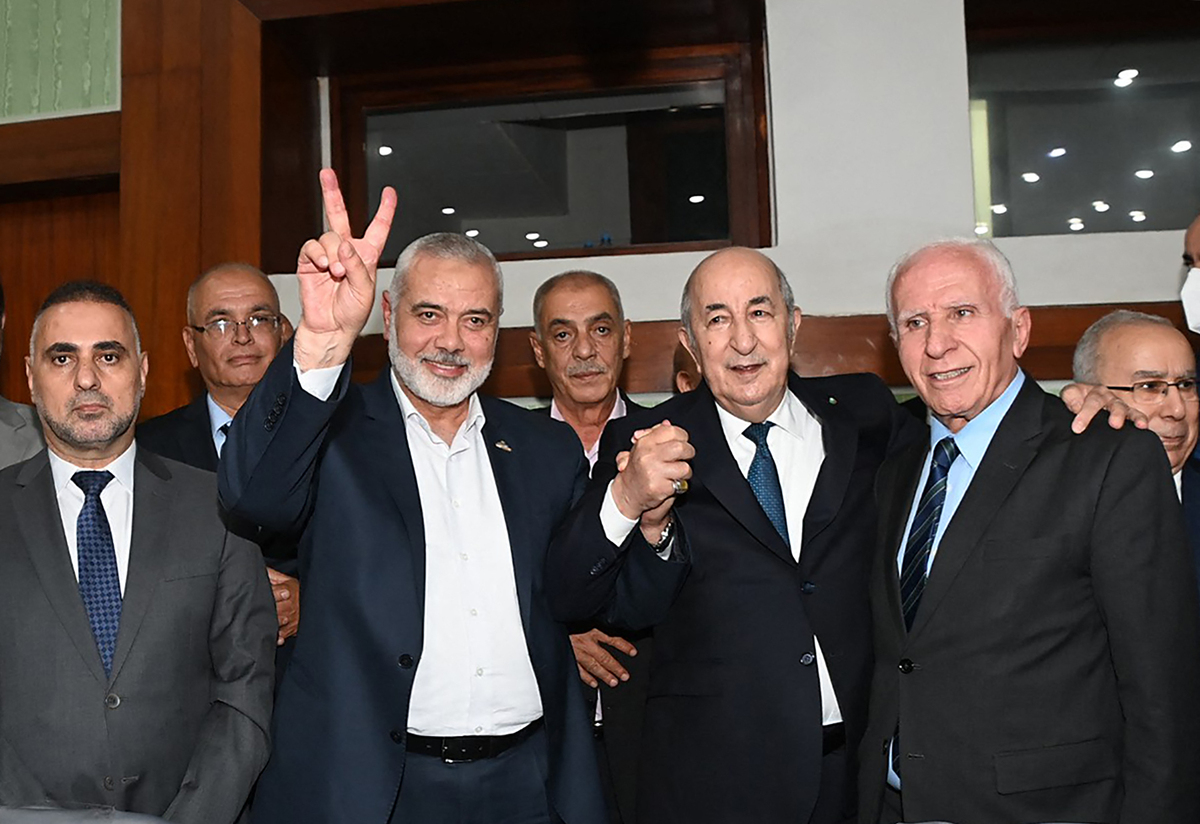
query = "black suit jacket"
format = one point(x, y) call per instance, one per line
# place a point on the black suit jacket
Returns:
point(1053, 668)
point(1191, 505)
point(733, 721)
point(342, 469)
point(183, 434)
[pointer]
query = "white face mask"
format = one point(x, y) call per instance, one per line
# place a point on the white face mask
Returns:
point(1190, 295)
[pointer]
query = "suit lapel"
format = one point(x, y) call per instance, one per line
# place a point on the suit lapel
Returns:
point(1012, 449)
point(198, 440)
point(385, 450)
point(42, 535)
point(511, 477)
point(716, 469)
point(840, 441)
point(149, 546)
point(902, 475)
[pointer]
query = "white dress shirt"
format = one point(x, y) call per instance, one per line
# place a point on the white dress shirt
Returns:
point(618, 411)
point(798, 449)
point(116, 498)
point(475, 676)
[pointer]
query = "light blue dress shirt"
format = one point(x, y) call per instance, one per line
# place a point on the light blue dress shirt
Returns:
point(972, 441)
point(217, 417)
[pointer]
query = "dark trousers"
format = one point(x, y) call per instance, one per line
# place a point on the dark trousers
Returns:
point(507, 789)
point(836, 799)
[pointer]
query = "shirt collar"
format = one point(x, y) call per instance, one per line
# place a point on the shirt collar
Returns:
point(121, 467)
point(475, 417)
point(787, 416)
point(217, 417)
point(618, 410)
point(974, 438)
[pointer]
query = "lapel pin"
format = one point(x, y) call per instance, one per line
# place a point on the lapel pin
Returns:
point(833, 400)
point(501, 445)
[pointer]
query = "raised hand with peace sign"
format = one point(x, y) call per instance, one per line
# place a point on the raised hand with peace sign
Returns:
point(337, 279)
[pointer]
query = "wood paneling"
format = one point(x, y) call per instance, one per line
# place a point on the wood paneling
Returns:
point(288, 9)
point(44, 243)
point(824, 346)
point(63, 148)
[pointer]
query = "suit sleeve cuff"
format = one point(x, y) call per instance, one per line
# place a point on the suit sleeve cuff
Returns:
point(320, 382)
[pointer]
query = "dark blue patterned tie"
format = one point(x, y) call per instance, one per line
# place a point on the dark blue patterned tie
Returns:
point(98, 581)
point(764, 479)
point(924, 528)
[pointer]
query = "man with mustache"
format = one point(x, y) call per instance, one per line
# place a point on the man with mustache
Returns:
point(431, 682)
point(581, 338)
point(135, 631)
point(233, 331)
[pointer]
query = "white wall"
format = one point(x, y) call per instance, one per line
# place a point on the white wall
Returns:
point(871, 156)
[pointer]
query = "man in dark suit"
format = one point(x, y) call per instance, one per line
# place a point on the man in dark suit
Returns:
point(20, 434)
point(431, 682)
point(1150, 363)
point(233, 332)
point(135, 631)
point(761, 627)
point(1035, 609)
point(582, 338)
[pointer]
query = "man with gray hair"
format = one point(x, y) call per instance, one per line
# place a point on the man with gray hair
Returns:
point(430, 682)
point(1037, 634)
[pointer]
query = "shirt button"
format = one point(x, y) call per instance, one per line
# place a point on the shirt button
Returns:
point(807, 659)
point(112, 700)
point(462, 555)
point(474, 612)
point(905, 666)
point(455, 502)
point(479, 671)
point(479, 729)
point(405, 660)
point(397, 736)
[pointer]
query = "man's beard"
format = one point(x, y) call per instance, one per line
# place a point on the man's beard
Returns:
point(85, 434)
point(432, 388)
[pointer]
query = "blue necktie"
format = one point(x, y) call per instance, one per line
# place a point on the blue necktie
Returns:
point(924, 528)
point(98, 581)
point(764, 479)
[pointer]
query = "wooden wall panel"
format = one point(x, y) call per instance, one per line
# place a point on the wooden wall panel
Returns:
point(63, 148)
point(824, 346)
point(44, 243)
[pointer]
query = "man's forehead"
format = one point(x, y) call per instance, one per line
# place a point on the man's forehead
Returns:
point(1146, 347)
point(222, 289)
point(84, 323)
point(578, 301)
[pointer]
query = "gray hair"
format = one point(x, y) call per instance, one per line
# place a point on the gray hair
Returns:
point(982, 250)
point(444, 246)
point(574, 276)
point(685, 302)
point(1086, 362)
point(231, 266)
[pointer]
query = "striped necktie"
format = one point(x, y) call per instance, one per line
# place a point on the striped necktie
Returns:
point(924, 529)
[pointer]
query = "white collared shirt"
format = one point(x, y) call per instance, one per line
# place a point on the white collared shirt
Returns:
point(116, 498)
point(475, 676)
point(618, 411)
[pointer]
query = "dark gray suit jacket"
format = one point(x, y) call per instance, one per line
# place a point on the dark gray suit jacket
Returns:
point(180, 728)
point(20, 433)
point(1052, 670)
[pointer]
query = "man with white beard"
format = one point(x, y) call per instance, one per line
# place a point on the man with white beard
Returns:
point(431, 683)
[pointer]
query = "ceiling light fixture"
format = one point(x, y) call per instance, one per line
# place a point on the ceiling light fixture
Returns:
point(1127, 74)
point(1144, 174)
point(1122, 82)
point(384, 151)
point(532, 236)
point(472, 233)
point(541, 244)
point(1182, 146)
point(1138, 215)
point(1058, 151)
point(981, 228)
point(696, 199)
point(448, 210)
point(999, 208)
point(1100, 206)
point(1077, 227)
point(1031, 177)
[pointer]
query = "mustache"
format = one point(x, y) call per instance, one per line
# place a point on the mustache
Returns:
point(588, 367)
point(446, 359)
point(89, 396)
point(734, 363)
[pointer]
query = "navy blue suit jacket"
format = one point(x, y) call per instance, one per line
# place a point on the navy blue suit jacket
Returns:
point(1191, 505)
point(342, 470)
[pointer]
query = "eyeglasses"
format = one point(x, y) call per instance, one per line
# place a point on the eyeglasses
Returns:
point(1153, 392)
point(224, 327)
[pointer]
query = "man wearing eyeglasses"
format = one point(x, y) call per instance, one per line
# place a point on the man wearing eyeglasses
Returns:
point(233, 331)
point(1150, 365)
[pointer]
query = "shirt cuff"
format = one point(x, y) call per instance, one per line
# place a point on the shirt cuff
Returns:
point(616, 526)
point(319, 382)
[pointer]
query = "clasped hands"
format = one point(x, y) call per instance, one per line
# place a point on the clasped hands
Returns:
point(648, 474)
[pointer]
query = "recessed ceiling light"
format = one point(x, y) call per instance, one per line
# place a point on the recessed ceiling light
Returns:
point(1031, 177)
point(1182, 146)
point(1074, 220)
point(1127, 74)
point(1100, 206)
point(541, 244)
point(999, 208)
point(384, 151)
point(981, 228)
point(532, 235)
point(472, 233)
point(1144, 174)
point(1122, 82)
point(1138, 215)
point(1077, 227)
point(1058, 151)
point(696, 199)
point(448, 210)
